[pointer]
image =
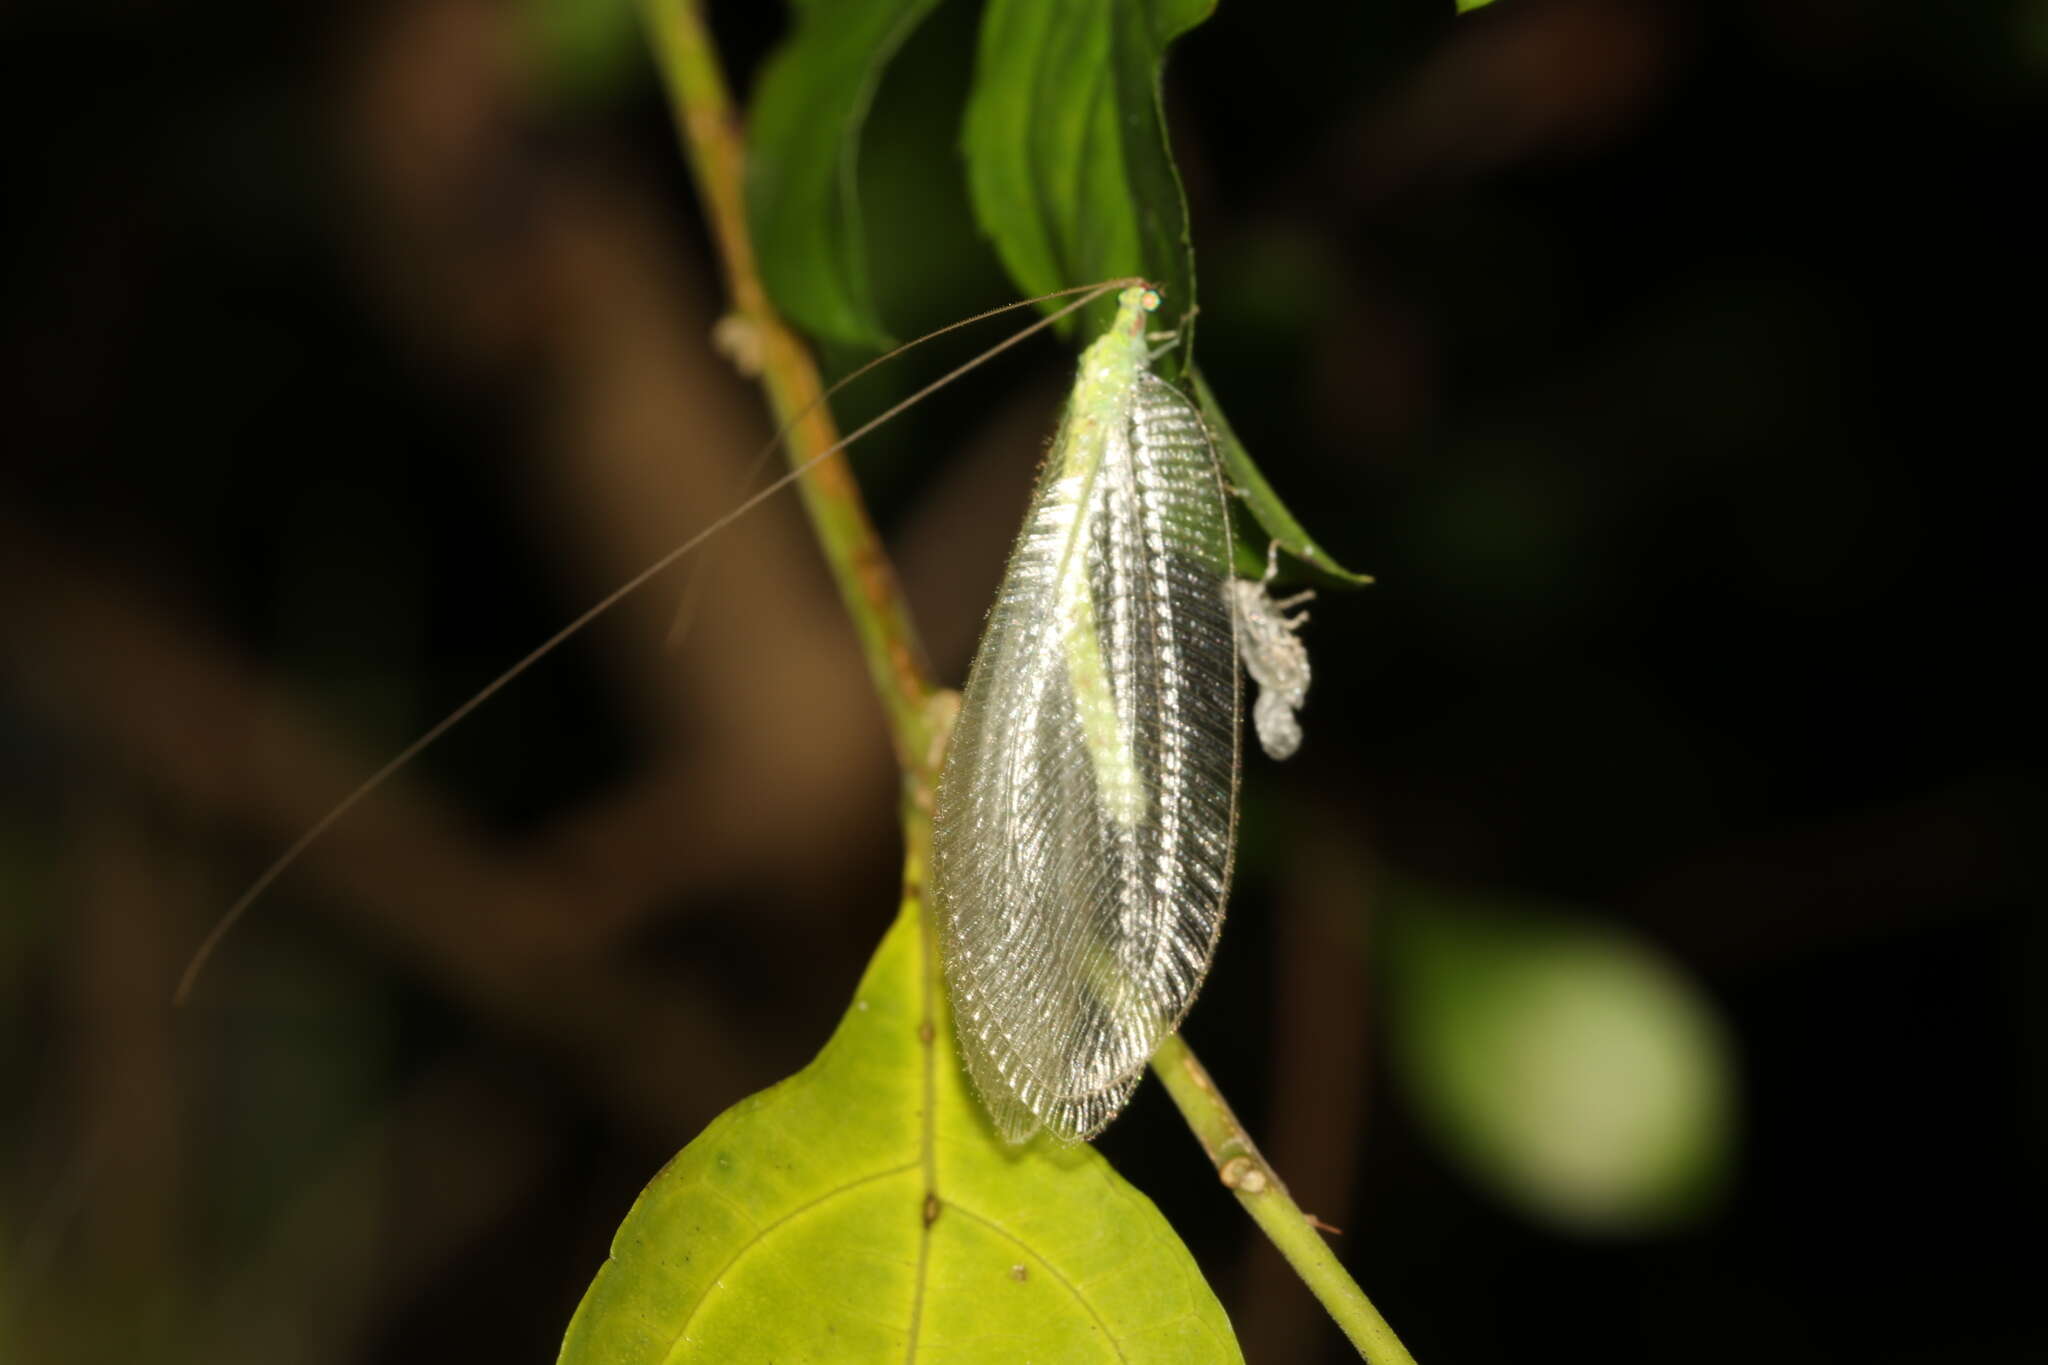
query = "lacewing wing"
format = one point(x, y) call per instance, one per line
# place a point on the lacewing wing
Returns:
point(1083, 830)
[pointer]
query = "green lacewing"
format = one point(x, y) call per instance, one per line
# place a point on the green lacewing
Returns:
point(1086, 811)
point(1087, 806)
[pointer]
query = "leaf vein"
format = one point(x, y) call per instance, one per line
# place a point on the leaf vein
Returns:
point(1065, 1283)
point(761, 1234)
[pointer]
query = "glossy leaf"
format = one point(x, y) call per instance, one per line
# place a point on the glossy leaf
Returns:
point(804, 128)
point(1067, 160)
point(864, 1210)
point(1263, 503)
point(1564, 1062)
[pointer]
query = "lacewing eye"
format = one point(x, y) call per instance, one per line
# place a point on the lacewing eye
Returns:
point(1086, 810)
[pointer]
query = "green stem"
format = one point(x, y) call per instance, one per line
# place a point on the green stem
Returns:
point(709, 128)
point(1264, 1196)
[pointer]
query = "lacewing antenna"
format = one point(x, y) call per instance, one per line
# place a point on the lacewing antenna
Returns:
point(234, 913)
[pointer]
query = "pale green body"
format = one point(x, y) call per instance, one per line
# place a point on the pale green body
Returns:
point(1101, 399)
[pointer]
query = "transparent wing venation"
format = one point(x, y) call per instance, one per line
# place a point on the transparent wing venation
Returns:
point(1083, 831)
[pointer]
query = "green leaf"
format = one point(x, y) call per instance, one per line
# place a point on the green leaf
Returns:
point(863, 1210)
point(1564, 1062)
point(1067, 159)
point(1258, 496)
point(803, 202)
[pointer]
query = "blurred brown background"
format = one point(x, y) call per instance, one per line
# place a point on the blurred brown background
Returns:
point(1673, 367)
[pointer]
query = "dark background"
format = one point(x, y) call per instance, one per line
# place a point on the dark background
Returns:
point(1674, 368)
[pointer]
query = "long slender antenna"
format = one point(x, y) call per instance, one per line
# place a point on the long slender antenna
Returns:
point(229, 918)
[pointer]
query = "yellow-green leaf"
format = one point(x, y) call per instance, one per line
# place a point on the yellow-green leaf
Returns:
point(1564, 1062)
point(863, 1210)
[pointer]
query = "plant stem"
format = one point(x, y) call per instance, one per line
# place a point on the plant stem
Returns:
point(1264, 1196)
point(709, 129)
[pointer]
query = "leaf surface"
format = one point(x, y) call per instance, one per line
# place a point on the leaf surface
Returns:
point(864, 1210)
point(804, 128)
point(1067, 160)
